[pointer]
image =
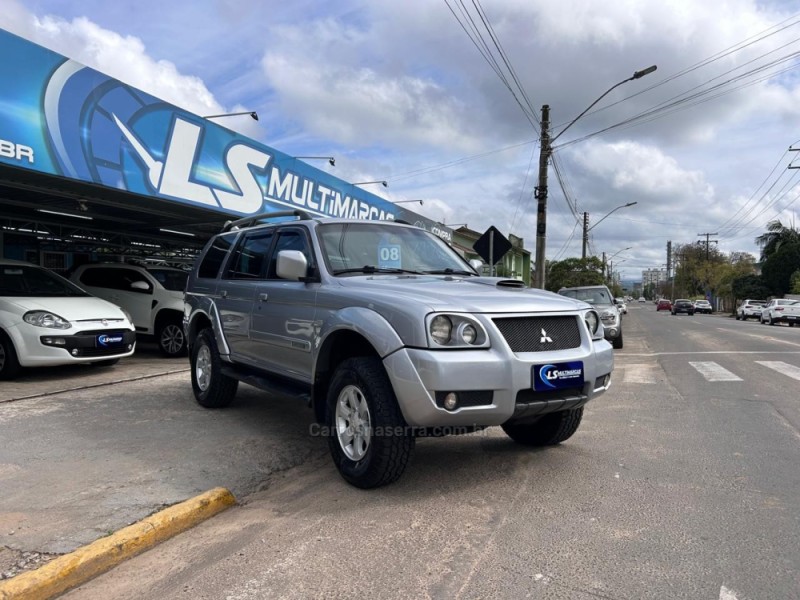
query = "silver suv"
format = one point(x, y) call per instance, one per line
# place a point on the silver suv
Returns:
point(153, 296)
point(389, 335)
point(600, 297)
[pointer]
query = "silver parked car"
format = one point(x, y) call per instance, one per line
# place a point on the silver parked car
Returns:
point(600, 297)
point(389, 335)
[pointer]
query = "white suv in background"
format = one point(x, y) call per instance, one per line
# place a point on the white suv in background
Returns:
point(152, 295)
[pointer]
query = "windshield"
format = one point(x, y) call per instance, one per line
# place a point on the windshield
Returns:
point(171, 280)
point(589, 295)
point(24, 280)
point(375, 247)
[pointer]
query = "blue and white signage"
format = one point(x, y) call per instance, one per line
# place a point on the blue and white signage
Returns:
point(62, 118)
point(557, 376)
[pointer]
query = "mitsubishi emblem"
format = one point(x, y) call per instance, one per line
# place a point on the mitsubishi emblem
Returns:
point(545, 338)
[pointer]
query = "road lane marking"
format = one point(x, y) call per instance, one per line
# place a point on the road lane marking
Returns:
point(782, 368)
point(642, 373)
point(685, 352)
point(714, 372)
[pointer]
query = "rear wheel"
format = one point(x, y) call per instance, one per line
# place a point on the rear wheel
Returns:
point(370, 442)
point(770, 320)
point(549, 430)
point(9, 364)
point(211, 388)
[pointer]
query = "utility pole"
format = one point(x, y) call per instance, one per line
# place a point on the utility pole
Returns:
point(585, 233)
point(540, 193)
point(604, 265)
point(708, 242)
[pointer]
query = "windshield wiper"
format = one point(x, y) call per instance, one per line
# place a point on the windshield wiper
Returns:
point(449, 271)
point(373, 269)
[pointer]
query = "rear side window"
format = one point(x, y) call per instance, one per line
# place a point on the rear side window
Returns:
point(214, 257)
point(113, 279)
point(250, 257)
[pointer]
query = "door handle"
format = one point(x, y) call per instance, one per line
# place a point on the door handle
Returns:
point(263, 296)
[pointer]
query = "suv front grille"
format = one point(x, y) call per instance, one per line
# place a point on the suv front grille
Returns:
point(531, 334)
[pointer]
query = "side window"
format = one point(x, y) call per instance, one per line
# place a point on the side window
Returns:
point(250, 257)
point(289, 239)
point(108, 278)
point(214, 257)
point(94, 277)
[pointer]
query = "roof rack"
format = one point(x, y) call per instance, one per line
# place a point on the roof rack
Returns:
point(252, 219)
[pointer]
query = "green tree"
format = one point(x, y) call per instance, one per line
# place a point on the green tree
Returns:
point(777, 235)
point(795, 282)
point(749, 286)
point(779, 266)
point(572, 272)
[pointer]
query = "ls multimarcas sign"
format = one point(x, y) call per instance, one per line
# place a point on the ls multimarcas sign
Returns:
point(62, 118)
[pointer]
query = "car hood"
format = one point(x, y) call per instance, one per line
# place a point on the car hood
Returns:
point(467, 294)
point(78, 308)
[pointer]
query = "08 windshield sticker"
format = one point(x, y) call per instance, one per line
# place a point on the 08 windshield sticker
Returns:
point(389, 256)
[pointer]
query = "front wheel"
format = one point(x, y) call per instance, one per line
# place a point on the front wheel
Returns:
point(171, 339)
point(369, 440)
point(549, 430)
point(9, 364)
point(617, 343)
point(211, 388)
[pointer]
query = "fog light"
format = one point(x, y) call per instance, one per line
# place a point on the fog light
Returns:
point(74, 352)
point(451, 401)
point(612, 332)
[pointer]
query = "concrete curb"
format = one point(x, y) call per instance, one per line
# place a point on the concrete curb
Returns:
point(78, 567)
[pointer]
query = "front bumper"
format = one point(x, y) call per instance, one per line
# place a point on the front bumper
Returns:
point(494, 385)
point(42, 348)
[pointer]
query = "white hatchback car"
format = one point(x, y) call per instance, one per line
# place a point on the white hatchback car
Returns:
point(46, 321)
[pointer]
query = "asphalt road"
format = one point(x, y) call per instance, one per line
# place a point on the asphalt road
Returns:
point(681, 483)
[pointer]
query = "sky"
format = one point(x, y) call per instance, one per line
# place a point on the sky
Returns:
point(442, 99)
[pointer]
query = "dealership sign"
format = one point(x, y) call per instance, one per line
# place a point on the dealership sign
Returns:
point(62, 118)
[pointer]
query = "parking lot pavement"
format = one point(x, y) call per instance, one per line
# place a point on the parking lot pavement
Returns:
point(146, 362)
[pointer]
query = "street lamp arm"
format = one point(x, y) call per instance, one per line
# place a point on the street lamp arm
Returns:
point(636, 75)
point(609, 214)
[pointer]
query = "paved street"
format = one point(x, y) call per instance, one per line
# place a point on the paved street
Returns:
point(681, 483)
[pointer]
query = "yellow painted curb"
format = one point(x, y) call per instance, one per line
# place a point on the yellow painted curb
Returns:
point(83, 564)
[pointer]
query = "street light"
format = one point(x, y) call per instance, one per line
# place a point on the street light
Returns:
point(612, 258)
point(383, 183)
point(540, 193)
point(247, 112)
point(421, 203)
point(330, 159)
point(587, 229)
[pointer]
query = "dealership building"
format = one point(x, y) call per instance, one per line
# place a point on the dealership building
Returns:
point(94, 169)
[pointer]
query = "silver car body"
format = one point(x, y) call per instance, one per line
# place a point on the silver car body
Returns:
point(283, 328)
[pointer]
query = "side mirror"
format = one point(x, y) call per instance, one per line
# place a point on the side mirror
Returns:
point(476, 264)
point(292, 264)
point(140, 286)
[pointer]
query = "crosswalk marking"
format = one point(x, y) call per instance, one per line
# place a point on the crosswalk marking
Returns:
point(782, 368)
point(643, 373)
point(714, 372)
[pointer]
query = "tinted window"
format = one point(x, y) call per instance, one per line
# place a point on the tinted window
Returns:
point(250, 257)
point(212, 261)
point(291, 239)
point(171, 280)
point(33, 281)
point(114, 279)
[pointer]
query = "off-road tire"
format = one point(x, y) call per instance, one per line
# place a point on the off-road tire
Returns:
point(391, 440)
point(617, 343)
point(171, 338)
point(211, 388)
point(9, 364)
point(550, 430)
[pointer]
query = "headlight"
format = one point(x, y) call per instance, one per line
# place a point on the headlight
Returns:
point(609, 316)
point(455, 330)
point(42, 318)
point(441, 327)
point(592, 321)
